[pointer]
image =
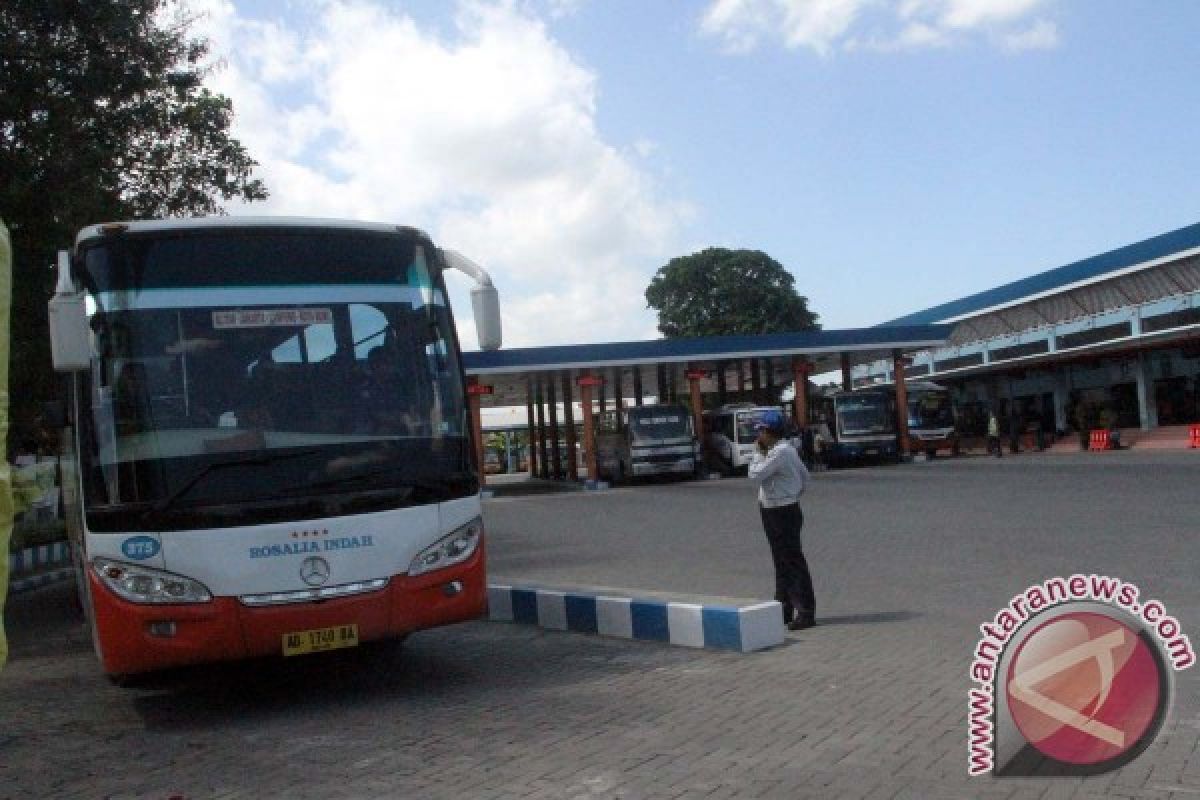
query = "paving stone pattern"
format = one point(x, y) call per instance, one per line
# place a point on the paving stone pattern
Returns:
point(870, 704)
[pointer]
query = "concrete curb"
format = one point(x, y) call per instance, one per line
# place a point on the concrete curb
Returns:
point(743, 628)
point(19, 584)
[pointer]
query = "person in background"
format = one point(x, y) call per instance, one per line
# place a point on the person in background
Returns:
point(384, 399)
point(822, 441)
point(782, 477)
point(993, 435)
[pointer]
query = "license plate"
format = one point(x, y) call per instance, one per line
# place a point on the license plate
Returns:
point(872, 451)
point(319, 640)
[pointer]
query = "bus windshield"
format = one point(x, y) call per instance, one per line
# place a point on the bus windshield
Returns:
point(869, 412)
point(249, 367)
point(745, 426)
point(930, 410)
point(659, 423)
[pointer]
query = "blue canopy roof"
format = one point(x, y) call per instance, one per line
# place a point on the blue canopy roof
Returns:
point(860, 340)
point(1160, 246)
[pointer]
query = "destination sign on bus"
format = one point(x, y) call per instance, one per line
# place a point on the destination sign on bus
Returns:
point(270, 317)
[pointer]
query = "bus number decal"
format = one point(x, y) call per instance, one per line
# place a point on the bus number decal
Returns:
point(140, 547)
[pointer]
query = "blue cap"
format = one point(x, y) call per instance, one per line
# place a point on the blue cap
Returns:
point(770, 421)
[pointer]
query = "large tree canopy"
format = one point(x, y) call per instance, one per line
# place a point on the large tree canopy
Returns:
point(103, 116)
point(717, 292)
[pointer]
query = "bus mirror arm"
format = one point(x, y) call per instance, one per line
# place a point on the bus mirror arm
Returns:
point(485, 300)
point(69, 346)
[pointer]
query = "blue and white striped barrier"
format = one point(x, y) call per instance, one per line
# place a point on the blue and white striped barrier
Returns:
point(33, 558)
point(27, 568)
point(726, 627)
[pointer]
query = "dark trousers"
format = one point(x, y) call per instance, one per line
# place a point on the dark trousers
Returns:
point(793, 583)
point(993, 446)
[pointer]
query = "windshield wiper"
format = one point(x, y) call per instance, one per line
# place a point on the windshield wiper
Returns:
point(357, 478)
point(257, 459)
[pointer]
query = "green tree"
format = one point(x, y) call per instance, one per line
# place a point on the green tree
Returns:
point(103, 116)
point(718, 292)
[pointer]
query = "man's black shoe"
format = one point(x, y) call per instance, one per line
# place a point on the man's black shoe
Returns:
point(801, 622)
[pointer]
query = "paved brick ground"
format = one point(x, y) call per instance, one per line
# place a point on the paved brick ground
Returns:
point(870, 704)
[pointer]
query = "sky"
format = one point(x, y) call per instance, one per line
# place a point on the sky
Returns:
point(891, 154)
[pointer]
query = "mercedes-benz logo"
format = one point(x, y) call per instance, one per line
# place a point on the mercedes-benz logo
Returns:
point(314, 571)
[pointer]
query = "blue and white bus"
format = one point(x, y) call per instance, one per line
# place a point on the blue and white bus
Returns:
point(864, 426)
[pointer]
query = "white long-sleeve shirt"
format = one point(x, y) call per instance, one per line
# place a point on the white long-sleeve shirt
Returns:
point(780, 474)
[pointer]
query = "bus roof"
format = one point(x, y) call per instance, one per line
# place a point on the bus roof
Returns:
point(218, 222)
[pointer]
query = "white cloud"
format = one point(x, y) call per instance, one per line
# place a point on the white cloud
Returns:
point(968, 14)
point(825, 26)
point(484, 135)
point(1042, 35)
point(563, 8)
point(816, 24)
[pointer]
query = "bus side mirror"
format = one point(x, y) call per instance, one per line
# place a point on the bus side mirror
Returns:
point(485, 302)
point(69, 348)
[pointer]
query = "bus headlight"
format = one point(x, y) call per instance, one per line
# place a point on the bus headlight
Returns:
point(449, 550)
point(149, 586)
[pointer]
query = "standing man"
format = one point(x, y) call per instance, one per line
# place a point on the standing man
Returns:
point(782, 478)
point(993, 435)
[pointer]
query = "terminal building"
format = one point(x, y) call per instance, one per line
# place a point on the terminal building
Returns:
point(1110, 341)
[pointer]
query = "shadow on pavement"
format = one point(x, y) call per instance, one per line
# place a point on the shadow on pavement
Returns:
point(451, 668)
point(872, 618)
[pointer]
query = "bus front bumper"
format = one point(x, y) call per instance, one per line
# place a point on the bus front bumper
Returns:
point(136, 638)
point(865, 450)
point(684, 466)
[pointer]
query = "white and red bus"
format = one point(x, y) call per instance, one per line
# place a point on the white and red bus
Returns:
point(267, 448)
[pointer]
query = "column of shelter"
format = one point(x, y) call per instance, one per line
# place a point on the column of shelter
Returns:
point(899, 364)
point(586, 381)
point(569, 420)
point(801, 369)
point(637, 385)
point(618, 392)
point(555, 451)
point(510, 466)
point(543, 456)
point(847, 380)
point(531, 443)
point(1147, 408)
point(694, 376)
